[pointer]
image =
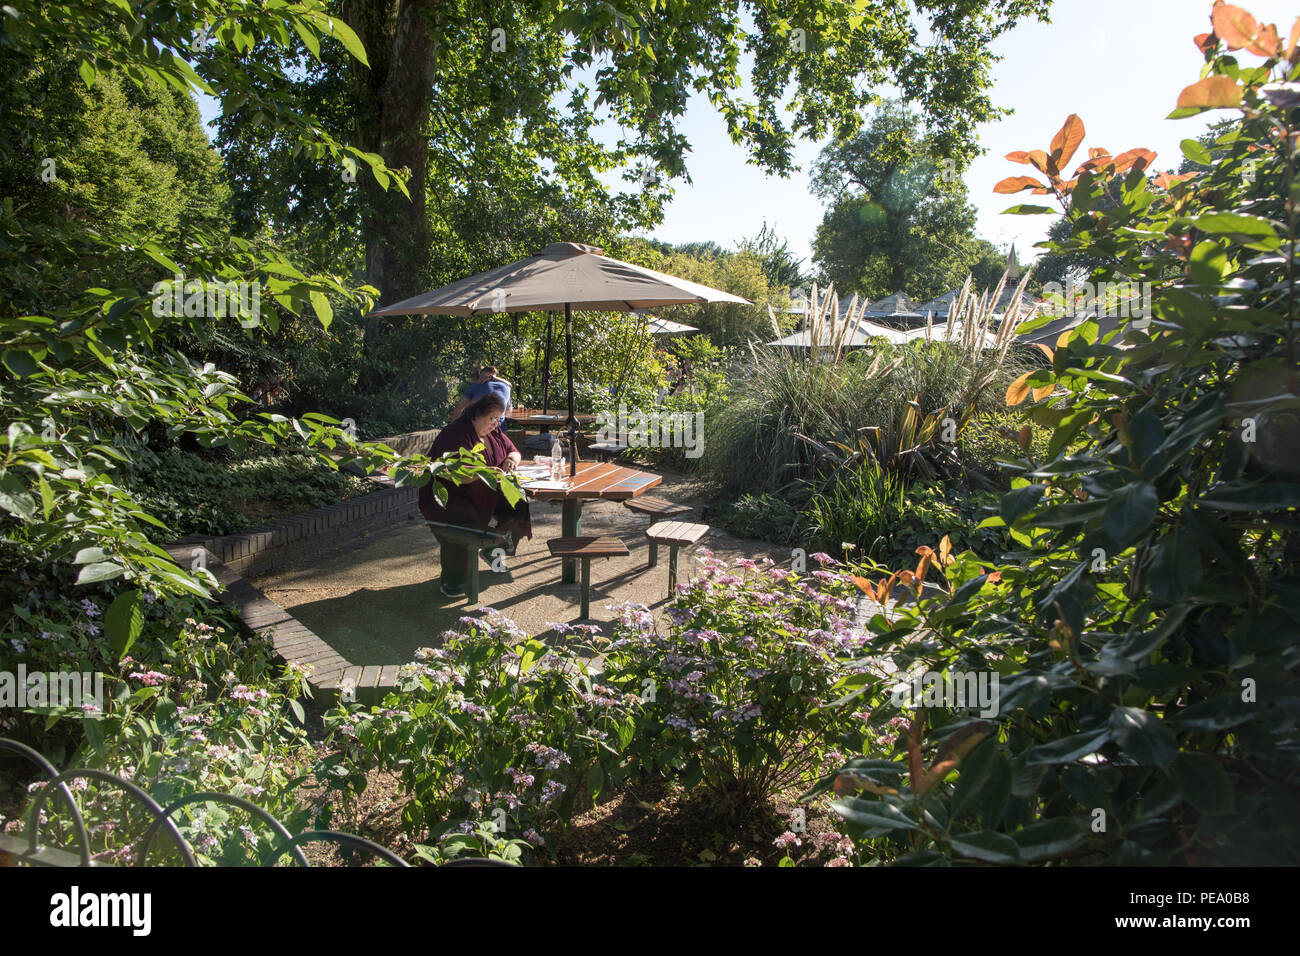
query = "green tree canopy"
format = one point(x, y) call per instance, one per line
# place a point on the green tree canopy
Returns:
point(898, 216)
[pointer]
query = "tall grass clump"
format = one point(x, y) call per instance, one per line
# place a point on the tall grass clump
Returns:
point(797, 414)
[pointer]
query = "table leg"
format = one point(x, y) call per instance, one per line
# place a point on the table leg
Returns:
point(586, 588)
point(570, 527)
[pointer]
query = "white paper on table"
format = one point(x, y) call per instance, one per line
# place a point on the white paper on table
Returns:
point(547, 485)
point(534, 471)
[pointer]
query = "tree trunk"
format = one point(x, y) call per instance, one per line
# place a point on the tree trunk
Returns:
point(392, 116)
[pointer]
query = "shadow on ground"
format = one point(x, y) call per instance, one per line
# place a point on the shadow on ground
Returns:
point(376, 600)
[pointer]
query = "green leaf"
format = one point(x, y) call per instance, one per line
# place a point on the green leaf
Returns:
point(322, 306)
point(1025, 209)
point(19, 362)
point(875, 815)
point(87, 71)
point(124, 620)
point(1068, 749)
point(1208, 262)
point(1143, 736)
point(1175, 568)
point(1130, 511)
point(987, 846)
point(975, 771)
point(344, 34)
point(1050, 838)
point(1251, 231)
point(1216, 713)
point(101, 571)
point(15, 499)
point(1205, 784)
point(1270, 496)
point(89, 556)
point(1019, 501)
point(595, 780)
point(1196, 151)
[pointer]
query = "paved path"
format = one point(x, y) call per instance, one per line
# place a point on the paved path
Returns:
point(377, 600)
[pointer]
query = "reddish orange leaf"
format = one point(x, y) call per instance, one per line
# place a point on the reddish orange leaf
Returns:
point(1165, 181)
point(1026, 432)
point(1138, 158)
point(1213, 92)
point(1067, 140)
point(1266, 43)
point(1018, 390)
point(867, 587)
point(1293, 42)
point(1206, 42)
point(1234, 25)
point(1046, 351)
point(1018, 156)
point(1038, 159)
point(1015, 184)
point(994, 578)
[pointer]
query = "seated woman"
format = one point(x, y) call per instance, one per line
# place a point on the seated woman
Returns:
point(475, 504)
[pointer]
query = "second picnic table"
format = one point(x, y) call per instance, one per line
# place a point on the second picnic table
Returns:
point(593, 480)
point(546, 420)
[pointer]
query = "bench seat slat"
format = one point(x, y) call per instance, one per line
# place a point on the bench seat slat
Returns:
point(602, 547)
point(676, 532)
point(657, 507)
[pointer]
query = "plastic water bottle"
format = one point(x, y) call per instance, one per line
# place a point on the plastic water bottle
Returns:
point(557, 461)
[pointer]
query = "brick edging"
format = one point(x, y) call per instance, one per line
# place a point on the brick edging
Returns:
point(292, 640)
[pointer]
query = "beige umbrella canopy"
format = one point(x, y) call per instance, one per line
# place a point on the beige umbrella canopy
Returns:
point(561, 275)
point(658, 326)
point(565, 275)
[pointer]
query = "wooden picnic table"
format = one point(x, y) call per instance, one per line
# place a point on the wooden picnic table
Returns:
point(593, 480)
point(546, 419)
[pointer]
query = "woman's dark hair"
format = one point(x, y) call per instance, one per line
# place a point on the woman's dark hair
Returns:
point(483, 405)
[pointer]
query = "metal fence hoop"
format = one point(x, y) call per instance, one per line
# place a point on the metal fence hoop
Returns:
point(52, 774)
point(210, 797)
point(334, 836)
point(149, 802)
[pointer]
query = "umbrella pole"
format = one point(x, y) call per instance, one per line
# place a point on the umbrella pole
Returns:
point(568, 365)
point(546, 369)
point(518, 375)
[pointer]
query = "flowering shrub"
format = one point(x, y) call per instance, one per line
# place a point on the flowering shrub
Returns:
point(734, 693)
point(492, 731)
point(207, 710)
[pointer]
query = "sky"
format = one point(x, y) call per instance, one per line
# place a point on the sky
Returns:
point(1118, 64)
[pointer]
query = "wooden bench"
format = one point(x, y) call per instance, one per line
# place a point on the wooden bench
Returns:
point(606, 450)
point(586, 549)
point(473, 539)
point(674, 534)
point(659, 509)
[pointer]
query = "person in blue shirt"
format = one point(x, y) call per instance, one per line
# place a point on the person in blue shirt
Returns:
point(486, 382)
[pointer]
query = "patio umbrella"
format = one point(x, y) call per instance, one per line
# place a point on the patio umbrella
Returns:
point(563, 275)
point(657, 326)
point(856, 335)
